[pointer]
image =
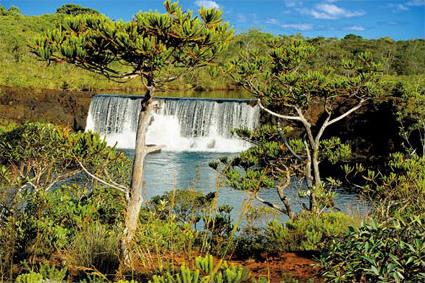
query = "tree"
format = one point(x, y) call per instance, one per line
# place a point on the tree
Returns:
point(40, 202)
point(295, 96)
point(72, 9)
point(39, 157)
point(155, 47)
point(3, 11)
point(13, 11)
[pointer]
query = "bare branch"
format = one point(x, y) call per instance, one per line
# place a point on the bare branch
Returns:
point(61, 178)
point(286, 117)
point(120, 188)
point(307, 126)
point(285, 141)
point(272, 205)
point(281, 192)
point(342, 116)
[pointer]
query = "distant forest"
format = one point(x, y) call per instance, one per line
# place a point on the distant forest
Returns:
point(19, 68)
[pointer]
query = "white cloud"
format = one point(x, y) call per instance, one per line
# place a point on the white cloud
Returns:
point(331, 12)
point(293, 3)
point(300, 27)
point(241, 18)
point(416, 3)
point(207, 4)
point(399, 7)
point(272, 21)
point(356, 28)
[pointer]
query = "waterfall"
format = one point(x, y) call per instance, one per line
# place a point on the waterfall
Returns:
point(180, 124)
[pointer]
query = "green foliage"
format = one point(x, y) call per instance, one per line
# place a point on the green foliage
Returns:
point(57, 221)
point(398, 58)
point(95, 246)
point(397, 189)
point(277, 79)
point(334, 151)
point(389, 251)
point(45, 273)
point(31, 277)
point(41, 210)
point(308, 232)
point(72, 9)
point(186, 205)
point(409, 99)
point(41, 155)
point(13, 11)
point(146, 46)
point(206, 271)
point(183, 221)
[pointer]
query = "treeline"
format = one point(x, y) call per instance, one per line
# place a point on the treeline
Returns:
point(19, 68)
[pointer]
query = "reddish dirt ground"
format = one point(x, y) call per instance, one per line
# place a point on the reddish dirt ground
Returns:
point(280, 268)
point(285, 266)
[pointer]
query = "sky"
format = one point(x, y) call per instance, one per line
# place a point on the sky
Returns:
point(399, 19)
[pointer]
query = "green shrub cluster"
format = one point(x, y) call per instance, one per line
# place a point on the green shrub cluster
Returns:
point(207, 271)
point(308, 232)
point(388, 251)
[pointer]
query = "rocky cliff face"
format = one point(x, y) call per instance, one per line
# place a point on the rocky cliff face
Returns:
point(58, 107)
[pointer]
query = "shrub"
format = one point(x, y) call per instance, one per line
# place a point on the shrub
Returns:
point(388, 251)
point(206, 270)
point(95, 246)
point(308, 231)
point(186, 205)
point(45, 273)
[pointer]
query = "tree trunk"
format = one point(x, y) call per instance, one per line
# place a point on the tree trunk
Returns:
point(135, 196)
point(315, 161)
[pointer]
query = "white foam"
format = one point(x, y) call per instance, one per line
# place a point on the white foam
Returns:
point(179, 125)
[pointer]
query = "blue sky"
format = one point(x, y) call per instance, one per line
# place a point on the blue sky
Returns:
point(399, 19)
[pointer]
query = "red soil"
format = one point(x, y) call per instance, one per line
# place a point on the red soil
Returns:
point(284, 266)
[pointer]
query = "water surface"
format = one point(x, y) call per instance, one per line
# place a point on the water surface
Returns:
point(168, 170)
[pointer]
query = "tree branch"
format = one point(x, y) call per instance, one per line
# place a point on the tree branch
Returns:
point(61, 178)
point(342, 116)
point(281, 192)
point(120, 188)
point(285, 141)
point(286, 117)
point(272, 205)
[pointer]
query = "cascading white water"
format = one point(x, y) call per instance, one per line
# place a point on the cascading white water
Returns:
point(179, 124)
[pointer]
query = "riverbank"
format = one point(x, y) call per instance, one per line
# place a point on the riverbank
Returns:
point(70, 108)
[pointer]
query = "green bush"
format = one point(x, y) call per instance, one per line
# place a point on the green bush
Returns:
point(95, 246)
point(308, 232)
point(388, 251)
point(206, 270)
point(32, 277)
point(45, 273)
point(165, 237)
point(186, 205)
